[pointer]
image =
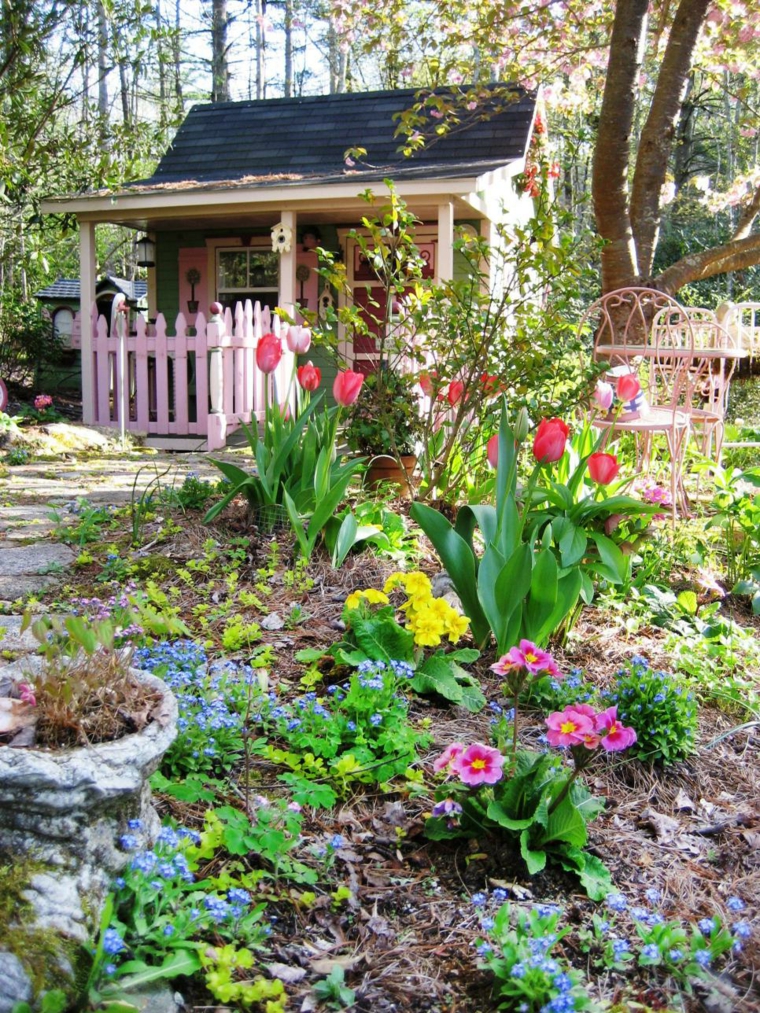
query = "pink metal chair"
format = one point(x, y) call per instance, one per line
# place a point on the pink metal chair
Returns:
point(622, 323)
point(706, 387)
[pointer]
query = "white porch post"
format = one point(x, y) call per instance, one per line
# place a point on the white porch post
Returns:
point(445, 258)
point(86, 302)
point(284, 370)
point(288, 266)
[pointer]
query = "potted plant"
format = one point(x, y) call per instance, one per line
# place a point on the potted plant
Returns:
point(385, 425)
point(192, 277)
point(81, 731)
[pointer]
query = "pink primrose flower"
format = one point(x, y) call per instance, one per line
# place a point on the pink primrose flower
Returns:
point(479, 764)
point(537, 660)
point(512, 661)
point(614, 734)
point(568, 727)
point(447, 757)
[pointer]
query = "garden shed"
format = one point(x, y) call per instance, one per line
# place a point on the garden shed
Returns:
point(234, 213)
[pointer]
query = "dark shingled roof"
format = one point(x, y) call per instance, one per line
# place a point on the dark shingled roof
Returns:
point(295, 140)
point(68, 288)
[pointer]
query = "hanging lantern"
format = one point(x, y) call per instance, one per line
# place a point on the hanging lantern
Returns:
point(145, 252)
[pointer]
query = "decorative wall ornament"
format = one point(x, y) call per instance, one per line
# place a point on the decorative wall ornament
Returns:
point(282, 238)
point(325, 302)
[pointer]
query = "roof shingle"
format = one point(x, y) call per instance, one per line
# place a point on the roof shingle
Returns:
point(308, 137)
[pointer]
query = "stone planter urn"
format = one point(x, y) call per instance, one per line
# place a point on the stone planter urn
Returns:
point(61, 814)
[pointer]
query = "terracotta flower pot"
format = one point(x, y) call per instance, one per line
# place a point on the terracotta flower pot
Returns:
point(388, 469)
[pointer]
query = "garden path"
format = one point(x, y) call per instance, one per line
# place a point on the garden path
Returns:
point(31, 495)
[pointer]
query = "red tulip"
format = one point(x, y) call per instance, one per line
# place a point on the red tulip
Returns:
point(549, 441)
point(298, 339)
point(309, 376)
point(347, 386)
point(455, 391)
point(493, 450)
point(426, 382)
point(603, 468)
point(268, 353)
point(628, 386)
point(490, 383)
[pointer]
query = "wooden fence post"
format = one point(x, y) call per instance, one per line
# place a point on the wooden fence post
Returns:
point(216, 435)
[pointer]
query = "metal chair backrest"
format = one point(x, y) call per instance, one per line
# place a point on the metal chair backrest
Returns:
point(623, 318)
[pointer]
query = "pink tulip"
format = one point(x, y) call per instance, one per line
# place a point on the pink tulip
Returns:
point(614, 735)
point(549, 441)
point(492, 450)
point(309, 376)
point(268, 353)
point(604, 395)
point(603, 468)
point(628, 386)
point(298, 340)
point(347, 386)
point(478, 764)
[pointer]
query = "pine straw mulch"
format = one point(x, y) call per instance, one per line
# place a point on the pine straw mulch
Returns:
point(405, 936)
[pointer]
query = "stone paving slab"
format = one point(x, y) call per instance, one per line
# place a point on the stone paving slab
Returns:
point(36, 559)
point(12, 639)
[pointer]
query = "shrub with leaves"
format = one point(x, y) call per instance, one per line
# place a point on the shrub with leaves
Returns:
point(661, 710)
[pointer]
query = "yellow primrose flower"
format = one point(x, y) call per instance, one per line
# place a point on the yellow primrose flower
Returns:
point(427, 631)
point(417, 583)
point(440, 608)
point(370, 595)
point(456, 626)
point(395, 580)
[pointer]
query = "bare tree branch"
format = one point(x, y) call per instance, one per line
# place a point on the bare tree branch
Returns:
point(748, 216)
point(733, 256)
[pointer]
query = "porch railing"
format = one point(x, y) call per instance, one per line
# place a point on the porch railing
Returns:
point(200, 381)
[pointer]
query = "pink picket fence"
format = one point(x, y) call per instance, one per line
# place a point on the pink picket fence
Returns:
point(200, 381)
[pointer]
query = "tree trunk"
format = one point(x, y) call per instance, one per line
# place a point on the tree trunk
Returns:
point(220, 70)
point(613, 147)
point(288, 26)
point(177, 55)
point(657, 136)
point(102, 70)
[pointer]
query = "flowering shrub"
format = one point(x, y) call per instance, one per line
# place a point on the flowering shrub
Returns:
point(162, 923)
point(659, 708)
point(518, 948)
point(529, 797)
point(212, 701)
point(364, 720)
point(373, 633)
point(517, 943)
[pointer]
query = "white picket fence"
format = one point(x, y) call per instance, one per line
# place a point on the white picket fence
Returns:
point(200, 381)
